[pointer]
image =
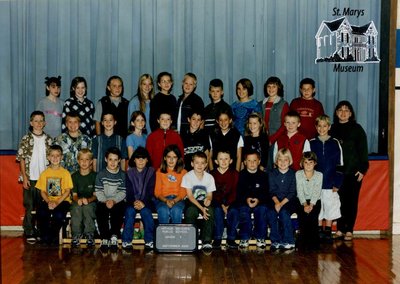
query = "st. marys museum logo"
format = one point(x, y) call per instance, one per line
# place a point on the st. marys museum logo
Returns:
point(339, 42)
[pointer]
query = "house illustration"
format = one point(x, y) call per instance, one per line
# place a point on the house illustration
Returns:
point(338, 41)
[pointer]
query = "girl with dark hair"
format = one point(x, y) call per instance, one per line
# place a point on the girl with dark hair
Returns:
point(80, 104)
point(168, 190)
point(52, 106)
point(113, 102)
point(140, 181)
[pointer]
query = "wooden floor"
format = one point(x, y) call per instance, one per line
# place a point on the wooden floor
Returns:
point(366, 260)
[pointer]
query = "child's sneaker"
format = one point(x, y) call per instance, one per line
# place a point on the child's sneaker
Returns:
point(114, 242)
point(104, 244)
point(244, 243)
point(149, 245)
point(231, 244)
point(207, 248)
point(260, 243)
point(216, 244)
point(287, 246)
point(76, 241)
point(90, 240)
point(30, 239)
point(275, 246)
point(127, 245)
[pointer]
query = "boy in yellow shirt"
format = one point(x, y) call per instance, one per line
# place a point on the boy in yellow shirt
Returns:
point(55, 184)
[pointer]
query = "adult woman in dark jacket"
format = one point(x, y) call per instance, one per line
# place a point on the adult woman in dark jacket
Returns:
point(353, 140)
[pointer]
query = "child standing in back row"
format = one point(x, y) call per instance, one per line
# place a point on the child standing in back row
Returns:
point(274, 109)
point(188, 102)
point(245, 106)
point(113, 102)
point(32, 161)
point(79, 103)
point(217, 105)
point(307, 107)
point(163, 101)
point(141, 101)
point(52, 106)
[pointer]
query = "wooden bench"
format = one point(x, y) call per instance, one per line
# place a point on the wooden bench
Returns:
point(65, 236)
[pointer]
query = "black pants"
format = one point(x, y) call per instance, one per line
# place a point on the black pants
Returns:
point(348, 193)
point(51, 221)
point(110, 221)
point(308, 225)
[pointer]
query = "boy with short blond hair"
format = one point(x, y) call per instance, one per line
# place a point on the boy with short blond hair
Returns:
point(200, 186)
point(293, 140)
point(83, 208)
point(55, 184)
point(329, 154)
point(188, 102)
point(32, 159)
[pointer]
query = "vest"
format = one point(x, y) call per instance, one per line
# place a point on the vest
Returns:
point(120, 113)
point(275, 115)
point(225, 142)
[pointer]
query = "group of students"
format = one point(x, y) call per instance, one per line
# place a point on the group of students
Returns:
point(263, 158)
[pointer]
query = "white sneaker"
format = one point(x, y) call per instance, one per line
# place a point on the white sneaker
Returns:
point(114, 242)
point(104, 244)
point(260, 243)
point(127, 245)
point(149, 245)
point(275, 246)
point(244, 243)
point(288, 246)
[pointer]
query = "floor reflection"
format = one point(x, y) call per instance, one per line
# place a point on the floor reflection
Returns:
point(365, 260)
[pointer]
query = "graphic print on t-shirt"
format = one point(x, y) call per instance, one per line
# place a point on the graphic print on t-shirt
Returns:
point(53, 186)
point(199, 192)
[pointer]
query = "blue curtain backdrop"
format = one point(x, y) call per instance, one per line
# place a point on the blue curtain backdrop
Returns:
point(226, 39)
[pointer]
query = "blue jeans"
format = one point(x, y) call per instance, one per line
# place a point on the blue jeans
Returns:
point(260, 222)
point(148, 224)
point(219, 225)
point(232, 220)
point(165, 213)
point(281, 226)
